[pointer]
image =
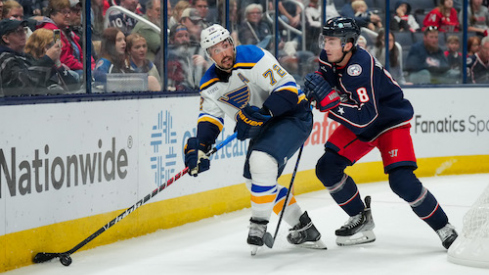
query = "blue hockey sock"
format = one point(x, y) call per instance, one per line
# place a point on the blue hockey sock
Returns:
point(407, 186)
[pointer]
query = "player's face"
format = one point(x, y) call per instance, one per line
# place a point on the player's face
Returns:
point(223, 54)
point(333, 48)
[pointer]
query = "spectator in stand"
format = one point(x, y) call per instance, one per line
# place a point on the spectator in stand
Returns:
point(76, 20)
point(362, 42)
point(59, 17)
point(314, 22)
point(473, 45)
point(478, 64)
point(254, 30)
point(97, 18)
point(152, 37)
point(177, 12)
point(402, 19)
point(378, 50)
point(31, 7)
point(122, 21)
point(21, 74)
point(202, 6)
point(453, 54)
point(179, 62)
point(233, 18)
point(37, 46)
point(444, 17)
point(136, 49)
point(113, 53)
point(426, 62)
point(114, 60)
point(361, 11)
point(1, 9)
point(290, 13)
point(347, 11)
point(194, 23)
point(76, 27)
point(478, 17)
point(12, 10)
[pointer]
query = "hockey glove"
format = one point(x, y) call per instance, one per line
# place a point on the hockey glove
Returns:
point(249, 122)
point(195, 157)
point(319, 90)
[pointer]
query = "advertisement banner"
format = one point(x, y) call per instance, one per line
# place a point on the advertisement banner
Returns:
point(65, 161)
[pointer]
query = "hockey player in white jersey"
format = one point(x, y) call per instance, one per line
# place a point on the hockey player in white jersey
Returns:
point(248, 84)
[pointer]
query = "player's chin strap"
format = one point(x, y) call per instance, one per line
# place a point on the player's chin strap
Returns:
point(353, 49)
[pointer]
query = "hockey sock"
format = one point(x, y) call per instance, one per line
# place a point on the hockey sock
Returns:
point(407, 186)
point(347, 196)
point(263, 187)
point(292, 211)
point(330, 171)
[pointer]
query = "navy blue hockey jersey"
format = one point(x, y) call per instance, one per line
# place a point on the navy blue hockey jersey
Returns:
point(371, 100)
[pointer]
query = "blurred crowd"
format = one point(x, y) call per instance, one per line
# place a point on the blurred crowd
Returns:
point(42, 45)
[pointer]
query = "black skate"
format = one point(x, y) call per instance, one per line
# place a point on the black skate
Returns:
point(258, 228)
point(305, 234)
point(358, 229)
point(447, 235)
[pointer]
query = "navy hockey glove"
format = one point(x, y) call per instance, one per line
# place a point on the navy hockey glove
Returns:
point(195, 157)
point(319, 90)
point(249, 122)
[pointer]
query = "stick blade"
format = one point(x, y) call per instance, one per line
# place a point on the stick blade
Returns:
point(44, 257)
point(268, 240)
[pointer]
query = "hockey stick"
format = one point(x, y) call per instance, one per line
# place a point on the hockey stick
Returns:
point(267, 238)
point(65, 258)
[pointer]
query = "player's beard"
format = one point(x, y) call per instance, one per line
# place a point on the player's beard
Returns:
point(227, 63)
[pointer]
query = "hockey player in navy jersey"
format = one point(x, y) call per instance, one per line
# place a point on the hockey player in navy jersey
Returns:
point(248, 84)
point(370, 106)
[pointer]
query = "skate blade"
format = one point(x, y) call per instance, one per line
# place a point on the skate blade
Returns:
point(358, 238)
point(313, 245)
point(253, 249)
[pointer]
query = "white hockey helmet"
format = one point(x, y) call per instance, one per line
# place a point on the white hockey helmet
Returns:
point(213, 35)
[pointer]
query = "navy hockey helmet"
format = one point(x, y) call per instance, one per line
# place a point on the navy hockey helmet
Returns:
point(343, 27)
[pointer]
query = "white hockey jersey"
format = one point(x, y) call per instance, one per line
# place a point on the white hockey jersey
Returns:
point(255, 76)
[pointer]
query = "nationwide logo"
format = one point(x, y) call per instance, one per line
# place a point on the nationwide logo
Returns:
point(42, 172)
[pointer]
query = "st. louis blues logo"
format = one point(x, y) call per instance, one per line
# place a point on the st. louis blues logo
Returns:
point(237, 98)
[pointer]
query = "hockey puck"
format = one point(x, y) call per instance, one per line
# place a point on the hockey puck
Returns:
point(65, 260)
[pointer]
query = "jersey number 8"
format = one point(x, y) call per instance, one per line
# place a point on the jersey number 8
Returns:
point(363, 95)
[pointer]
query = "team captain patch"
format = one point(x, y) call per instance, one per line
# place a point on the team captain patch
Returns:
point(354, 70)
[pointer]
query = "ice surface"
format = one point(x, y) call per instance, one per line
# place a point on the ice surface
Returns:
point(404, 245)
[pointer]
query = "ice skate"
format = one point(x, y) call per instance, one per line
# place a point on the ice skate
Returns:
point(258, 228)
point(305, 234)
point(447, 235)
point(358, 229)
